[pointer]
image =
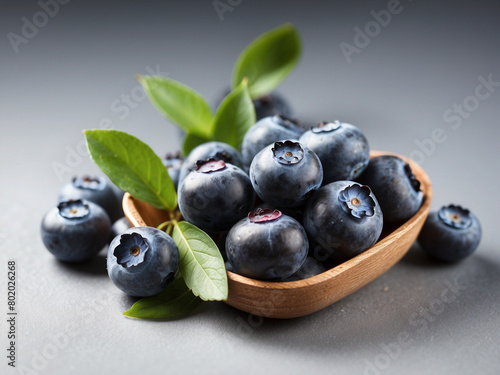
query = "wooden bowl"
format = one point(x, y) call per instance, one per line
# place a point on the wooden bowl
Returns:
point(298, 298)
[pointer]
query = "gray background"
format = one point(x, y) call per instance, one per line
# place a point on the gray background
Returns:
point(76, 72)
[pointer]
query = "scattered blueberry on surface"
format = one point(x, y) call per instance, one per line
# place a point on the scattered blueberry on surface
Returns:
point(75, 230)
point(215, 196)
point(267, 245)
point(142, 261)
point(285, 173)
point(344, 218)
point(342, 148)
point(266, 131)
point(210, 150)
point(450, 234)
point(94, 189)
point(396, 188)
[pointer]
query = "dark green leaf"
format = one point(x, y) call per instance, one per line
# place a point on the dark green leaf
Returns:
point(179, 103)
point(200, 263)
point(268, 60)
point(176, 301)
point(235, 115)
point(132, 166)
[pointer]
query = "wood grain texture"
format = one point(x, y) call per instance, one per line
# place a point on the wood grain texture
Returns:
point(298, 298)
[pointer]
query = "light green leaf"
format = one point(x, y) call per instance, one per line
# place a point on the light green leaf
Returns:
point(176, 301)
point(268, 60)
point(179, 103)
point(132, 166)
point(200, 263)
point(235, 115)
point(191, 141)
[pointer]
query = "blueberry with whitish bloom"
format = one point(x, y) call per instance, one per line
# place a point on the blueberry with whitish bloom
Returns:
point(142, 261)
point(450, 234)
point(343, 218)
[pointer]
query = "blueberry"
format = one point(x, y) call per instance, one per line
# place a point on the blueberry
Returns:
point(266, 131)
point(75, 230)
point(142, 261)
point(94, 189)
point(342, 148)
point(118, 227)
point(396, 188)
point(344, 218)
point(173, 163)
point(210, 150)
point(270, 105)
point(311, 267)
point(215, 195)
point(285, 173)
point(266, 105)
point(450, 234)
point(267, 245)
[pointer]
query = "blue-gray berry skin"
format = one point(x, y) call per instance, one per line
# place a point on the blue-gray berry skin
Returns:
point(396, 188)
point(267, 245)
point(173, 163)
point(342, 148)
point(284, 174)
point(266, 105)
point(450, 234)
point(75, 231)
point(311, 267)
point(210, 150)
point(215, 196)
point(118, 227)
point(266, 131)
point(94, 189)
point(142, 261)
point(343, 218)
point(272, 104)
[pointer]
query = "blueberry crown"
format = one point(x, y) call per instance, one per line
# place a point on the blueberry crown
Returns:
point(326, 126)
point(73, 209)
point(131, 250)
point(356, 200)
point(455, 216)
point(288, 152)
point(263, 215)
point(172, 160)
point(88, 182)
point(210, 165)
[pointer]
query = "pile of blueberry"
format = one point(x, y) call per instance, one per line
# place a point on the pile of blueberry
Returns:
point(293, 203)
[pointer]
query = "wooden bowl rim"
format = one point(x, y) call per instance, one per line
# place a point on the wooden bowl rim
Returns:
point(136, 219)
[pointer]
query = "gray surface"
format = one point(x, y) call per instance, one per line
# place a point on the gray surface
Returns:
point(419, 317)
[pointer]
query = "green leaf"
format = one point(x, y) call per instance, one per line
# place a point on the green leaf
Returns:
point(191, 141)
point(200, 263)
point(268, 60)
point(132, 166)
point(176, 301)
point(179, 103)
point(235, 115)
